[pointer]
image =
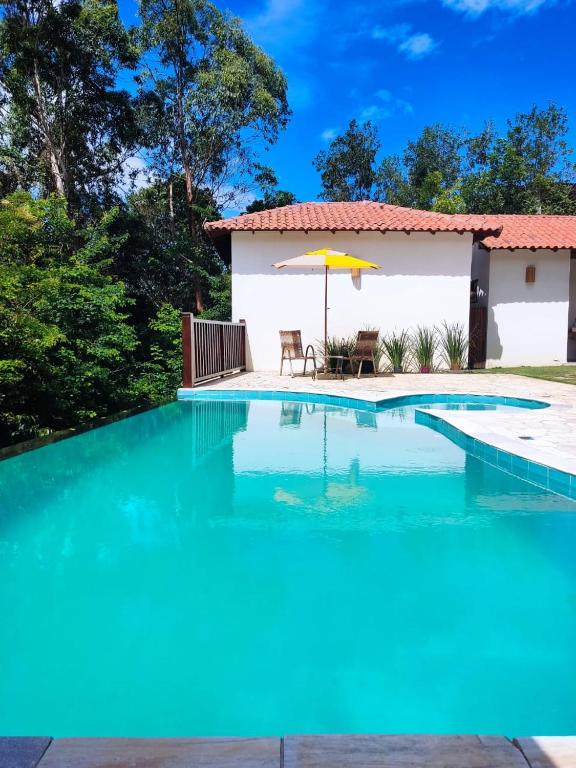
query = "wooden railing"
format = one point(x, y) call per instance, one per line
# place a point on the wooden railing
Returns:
point(211, 348)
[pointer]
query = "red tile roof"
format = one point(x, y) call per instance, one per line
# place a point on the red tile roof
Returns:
point(496, 231)
point(534, 231)
point(360, 216)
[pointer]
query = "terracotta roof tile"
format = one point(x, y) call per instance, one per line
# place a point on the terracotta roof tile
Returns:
point(501, 231)
point(360, 216)
point(534, 231)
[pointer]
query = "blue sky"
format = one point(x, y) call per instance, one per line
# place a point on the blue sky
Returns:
point(405, 64)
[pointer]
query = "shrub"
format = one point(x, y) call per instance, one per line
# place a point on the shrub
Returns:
point(396, 347)
point(454, 344)
point(424, 345)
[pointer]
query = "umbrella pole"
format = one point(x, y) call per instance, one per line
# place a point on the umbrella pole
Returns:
point(326, 319)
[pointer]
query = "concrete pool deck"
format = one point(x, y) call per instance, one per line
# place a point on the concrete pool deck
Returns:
point(353, 751)
point(546, 436)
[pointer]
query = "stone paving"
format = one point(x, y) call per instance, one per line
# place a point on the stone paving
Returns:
point(354, 751)
point(551, 432)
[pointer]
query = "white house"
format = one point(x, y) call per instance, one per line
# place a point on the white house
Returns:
point(513, 276)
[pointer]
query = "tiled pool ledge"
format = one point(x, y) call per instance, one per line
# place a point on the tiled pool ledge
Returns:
point(542, 475)
point(345, 751)
point(553, 472)
point(377, 402)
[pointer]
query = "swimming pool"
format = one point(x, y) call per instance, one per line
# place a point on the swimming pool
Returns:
point(253, 567)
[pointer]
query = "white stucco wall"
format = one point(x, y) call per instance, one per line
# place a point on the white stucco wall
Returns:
point(528, 322)
point(424, 279)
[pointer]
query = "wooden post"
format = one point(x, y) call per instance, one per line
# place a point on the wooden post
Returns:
point(188, 350)
point(243, 342)
point(221, 348)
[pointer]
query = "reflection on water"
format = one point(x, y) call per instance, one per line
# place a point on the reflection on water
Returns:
point(158, 575)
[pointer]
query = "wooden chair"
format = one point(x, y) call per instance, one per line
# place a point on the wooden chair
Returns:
point(291, 343)
point(365, 350)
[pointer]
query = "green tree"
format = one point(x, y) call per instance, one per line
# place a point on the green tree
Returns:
point(528, 170)
point(276, 198)
point(426, 174)
point(158, 261)
point(209, 98)
point(348, 167)
point(160, 373)
point(65, 345)
point(65, 126)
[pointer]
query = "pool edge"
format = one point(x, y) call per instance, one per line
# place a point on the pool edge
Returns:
point(544, 475)
point(537, 473)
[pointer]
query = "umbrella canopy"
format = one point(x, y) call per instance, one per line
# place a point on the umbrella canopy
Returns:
point(326, 259)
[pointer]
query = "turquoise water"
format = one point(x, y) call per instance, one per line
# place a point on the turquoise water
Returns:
point(250, 568)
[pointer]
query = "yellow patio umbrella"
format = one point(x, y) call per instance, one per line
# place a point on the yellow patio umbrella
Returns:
point(327, 259)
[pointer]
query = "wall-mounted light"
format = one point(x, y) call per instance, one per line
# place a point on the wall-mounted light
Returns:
point(531, 274)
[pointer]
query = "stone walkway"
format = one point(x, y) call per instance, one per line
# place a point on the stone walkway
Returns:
point(292, 752)
point(547, 436)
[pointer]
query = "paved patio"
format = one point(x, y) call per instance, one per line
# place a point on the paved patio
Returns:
point(551, 432)
point(292, 752)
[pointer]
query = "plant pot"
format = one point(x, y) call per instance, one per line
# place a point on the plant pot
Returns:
point(455, 367)
point(397, 369)
point(424, 369)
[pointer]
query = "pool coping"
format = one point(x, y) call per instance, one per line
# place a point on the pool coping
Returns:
point(551, 473)
point(534, 472)
point(292, 751)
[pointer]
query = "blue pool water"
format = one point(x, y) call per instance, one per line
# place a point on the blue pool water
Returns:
point(265, 567)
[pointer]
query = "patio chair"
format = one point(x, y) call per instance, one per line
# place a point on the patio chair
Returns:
point(365, 350)
point(291, 343)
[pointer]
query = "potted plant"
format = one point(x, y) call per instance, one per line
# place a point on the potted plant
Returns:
point(424, 344)
point(454, 345)
point(396, 347)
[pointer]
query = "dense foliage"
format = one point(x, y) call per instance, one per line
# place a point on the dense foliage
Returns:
point(104, 190)
point(527, 169)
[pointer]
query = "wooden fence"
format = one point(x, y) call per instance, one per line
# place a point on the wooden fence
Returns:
point(211, 348)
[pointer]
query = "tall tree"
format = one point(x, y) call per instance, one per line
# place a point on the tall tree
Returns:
point(155, 260)
point(66, 127)
point(209, 99)
point(427, 172)
point(347, 168)
point(272, 197)
point(528, 170)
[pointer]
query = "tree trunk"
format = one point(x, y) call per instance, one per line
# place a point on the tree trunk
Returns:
point(57, 170)
point(194, 226)
point(171, 208)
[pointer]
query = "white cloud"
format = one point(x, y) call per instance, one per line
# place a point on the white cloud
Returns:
point(417, 45)
point(404, 106)
point(328, 134)
point(478, 7)
point(374, 112)
point(391, 106)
